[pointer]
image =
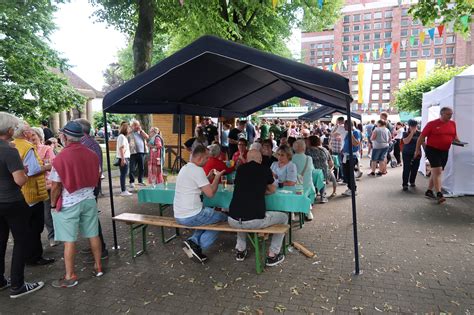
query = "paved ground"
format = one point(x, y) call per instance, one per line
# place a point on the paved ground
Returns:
point(416, 256)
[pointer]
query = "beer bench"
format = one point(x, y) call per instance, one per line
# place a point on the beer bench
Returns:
point(140, 222)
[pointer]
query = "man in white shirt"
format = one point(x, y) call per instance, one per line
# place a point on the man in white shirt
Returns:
point(188, 206)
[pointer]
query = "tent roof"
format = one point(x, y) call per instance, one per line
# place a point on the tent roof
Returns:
point(216, 77)
point(323, 111)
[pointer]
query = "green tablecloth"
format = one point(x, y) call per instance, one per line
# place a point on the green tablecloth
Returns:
point(282, 200)
point(318, 179)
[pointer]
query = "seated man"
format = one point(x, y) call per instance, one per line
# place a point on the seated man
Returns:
point(247, 208)
point(214, 162)
point(188, 207)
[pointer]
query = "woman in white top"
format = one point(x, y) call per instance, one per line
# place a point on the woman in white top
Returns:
point(123, 156)
point(284, 171)
point(398, 138)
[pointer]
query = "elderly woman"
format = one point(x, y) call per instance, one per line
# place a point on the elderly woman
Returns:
point(157, 155)
point(304, 167)
point(46, 154)
point(14, 212)
point(214, 161)
point(322, 160)
point(284, 171)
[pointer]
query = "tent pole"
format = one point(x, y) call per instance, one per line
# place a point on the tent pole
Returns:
point(180, 119)
point(352, 185)
point(112, 208)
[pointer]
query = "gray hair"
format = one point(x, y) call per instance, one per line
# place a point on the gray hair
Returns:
point(20, 129)
point(444, 109)
point(7, 122)
point(39, 132)
point(72, 139)
point(299, 145)
point(256, 146)
point(214, 150)
point(85, 124)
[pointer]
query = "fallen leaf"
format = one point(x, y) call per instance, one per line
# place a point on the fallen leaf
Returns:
point(280, 308)
point(378, 310)
point(455, 302)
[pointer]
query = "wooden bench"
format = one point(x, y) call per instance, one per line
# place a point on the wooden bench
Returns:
point(140, 222)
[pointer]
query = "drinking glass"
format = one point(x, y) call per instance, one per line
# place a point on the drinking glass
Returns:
point(165, 178)
point(224, 182)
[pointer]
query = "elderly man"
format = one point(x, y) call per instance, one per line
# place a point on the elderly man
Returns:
point(188, 207)
point(247, 208)
point(74, 176)
point(214, 163)
point(441, 133)
point(93, 145)
point(34, 192)
point(138, 149)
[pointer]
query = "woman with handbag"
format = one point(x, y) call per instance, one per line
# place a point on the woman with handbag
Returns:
point(123, 156)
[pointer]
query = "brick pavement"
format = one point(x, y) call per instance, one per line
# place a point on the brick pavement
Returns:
point(416, 257)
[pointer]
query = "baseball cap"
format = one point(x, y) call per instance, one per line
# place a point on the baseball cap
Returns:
point(73, 129)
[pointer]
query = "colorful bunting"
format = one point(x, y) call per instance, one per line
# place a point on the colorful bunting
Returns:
point(395, 47)
point(404, 44)
point(431, 32)
point(440, 30)
point(388, 48)
point(464, 20)
point(356, 59)
point(422, 37)
point(330, 67)
point(345, 64)
point(440, 2)
point(361, 57)
point(320, 4)
point(367, 56)
point(381, 52)
point(374, 54)
point(412, 40)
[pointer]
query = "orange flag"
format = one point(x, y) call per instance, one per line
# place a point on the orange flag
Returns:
point(361, 57)
point(395, 47)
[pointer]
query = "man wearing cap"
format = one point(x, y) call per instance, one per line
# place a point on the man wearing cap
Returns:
point(74, 175)
point(410, 162)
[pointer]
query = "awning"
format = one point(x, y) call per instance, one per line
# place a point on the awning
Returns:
point(323, 111)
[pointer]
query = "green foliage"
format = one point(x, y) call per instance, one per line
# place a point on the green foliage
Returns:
point(409, 97)
point(98, 119)
point(444, 12)
point(27, 61)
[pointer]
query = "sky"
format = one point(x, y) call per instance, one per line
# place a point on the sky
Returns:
point(91, 46)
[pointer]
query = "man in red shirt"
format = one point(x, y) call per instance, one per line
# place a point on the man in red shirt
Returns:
point(441, 133)
point(214, 162)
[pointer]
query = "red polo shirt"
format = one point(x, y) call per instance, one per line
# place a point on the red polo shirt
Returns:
point(440, 134)
point(218, 165)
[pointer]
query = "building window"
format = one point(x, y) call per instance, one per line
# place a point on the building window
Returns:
point(320, 60)
point(327, 45)
point(327, 52)
point(377, 15)
point(375, 86)
point(366, 47)
point(414, 53)
point(345, 48)
point(437, 51)
point(425, 52)
point(354, 67)
point(386, 76)
point(355, 78)
point(377, 46)
point(327, 60)
point(426, 42)
point(438, 40)
point(375, 96)
point(404, 22)
point(388, 24)
point(415, 32)
point(345, 38)
point(386, 96)
point(386, 86)
point(413, 64)
point(376, 35)
point(376, 66)
point(402, 75)
point(401, 84)
point(356, 18)
point(405, 12)
point(376, 76)
point(366, 36)
point(403, 65)
point(355, 47)
point(312, 52)
point(346, 29)
point(403, 53)
point(377, 26)
point(374, 106)
point(404, 33)
point(356, 28)
point(367, 16)
point(449, 50)
point(355, 38)
point(416, 42)
point(388, 14)
point(320, 45)
point(450, 39)
point(415, 22)
point(450, 61)
point(413, 74)
point(387, 66)
point(346, 18)
point(355, 87)
point(366, 26)
point(320, 52)
point(388, 35)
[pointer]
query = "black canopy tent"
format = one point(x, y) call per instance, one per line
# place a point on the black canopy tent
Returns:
point(220, 78)
point(323, 111)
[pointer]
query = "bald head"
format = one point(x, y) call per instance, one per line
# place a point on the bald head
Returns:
point(254, 155)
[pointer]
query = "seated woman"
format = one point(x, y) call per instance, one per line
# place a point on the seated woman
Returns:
point(214, 162)
point(240, 157)
point(304, 167)
point(322, 160)
point(284, 171)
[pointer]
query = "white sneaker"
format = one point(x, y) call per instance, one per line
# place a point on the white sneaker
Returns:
point(132, 185)
point(309, 216)
point(348, 192)
point(53, 243)
point(324, 200)
point(359, 174)
point(125, 193)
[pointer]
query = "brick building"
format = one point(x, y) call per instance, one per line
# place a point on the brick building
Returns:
point(368, 25)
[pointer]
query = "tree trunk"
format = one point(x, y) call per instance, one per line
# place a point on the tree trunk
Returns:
point(143, 46)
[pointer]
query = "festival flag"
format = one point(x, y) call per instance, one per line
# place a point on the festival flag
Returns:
point(367, 56)
point(361, 57)
point(388, 49)
point(439, 2)
point(325, 68)
point(431, 32)
point(395, 46)
point(274, 3)
point(440, 30)
point(374, 54)
point(412, 40)
point(380, 52)
point(464, 20)
point(364, 76)
point(422, 37)
point(404, 44)
point(424, 67)
point(450, 27)
point(345, 64)
point(356, 59)
point(330, 67)
point(320, 4)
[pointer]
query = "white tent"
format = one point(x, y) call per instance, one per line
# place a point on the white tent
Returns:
point(458, 94)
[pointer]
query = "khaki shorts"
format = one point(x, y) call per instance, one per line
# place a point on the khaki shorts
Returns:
point(81, 217)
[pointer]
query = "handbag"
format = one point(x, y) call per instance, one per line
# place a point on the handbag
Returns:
point(116, 161)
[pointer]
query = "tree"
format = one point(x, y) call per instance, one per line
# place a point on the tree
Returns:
point(98, 119)
point(29, 88)
point(409, 98)
point(459, 13)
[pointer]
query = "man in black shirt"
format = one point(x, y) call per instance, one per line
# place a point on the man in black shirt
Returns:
point(410, 161)
point(247, 208)
point(234, 136)
point(210, 130)
point(47, 132)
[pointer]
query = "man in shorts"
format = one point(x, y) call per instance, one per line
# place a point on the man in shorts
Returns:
point(74, 175)
point(441, 133)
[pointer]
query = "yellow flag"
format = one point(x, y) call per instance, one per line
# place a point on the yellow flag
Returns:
point(274, 3)
point(380, 52)
point(360, 77)
point(421, 70)
point(422, 37)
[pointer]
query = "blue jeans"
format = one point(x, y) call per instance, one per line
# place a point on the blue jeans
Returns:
point(207, 216)
point(123, 174)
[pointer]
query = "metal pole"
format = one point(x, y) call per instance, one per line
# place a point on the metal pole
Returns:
point(352, 185)
point(112, 208)
point(180, 119)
